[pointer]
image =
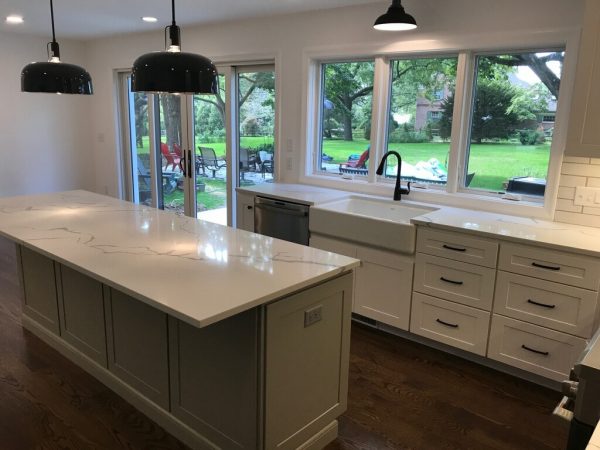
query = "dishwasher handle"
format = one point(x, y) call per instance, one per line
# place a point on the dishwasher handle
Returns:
point(282, 209)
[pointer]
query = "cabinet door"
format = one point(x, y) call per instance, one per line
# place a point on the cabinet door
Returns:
point(215, 379)
point(332, 245)
point(245, 211)
point(39, 288)
point(81, 307)
point(307, 351)
point(138, 346)
point(384, 286)
point(583, 137)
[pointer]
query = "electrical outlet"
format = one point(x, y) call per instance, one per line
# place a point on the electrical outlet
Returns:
point(313, 315)
point(289, 164)
point(586, 196)
point(289, 145)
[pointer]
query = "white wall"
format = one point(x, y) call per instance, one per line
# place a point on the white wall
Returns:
point(44, 138)
point(452, 22)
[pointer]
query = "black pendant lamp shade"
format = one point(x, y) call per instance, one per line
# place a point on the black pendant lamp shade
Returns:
point(395, 19)
point(54, 76)
point(174, 71)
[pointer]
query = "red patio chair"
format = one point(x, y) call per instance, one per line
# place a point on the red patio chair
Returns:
point(172, 158)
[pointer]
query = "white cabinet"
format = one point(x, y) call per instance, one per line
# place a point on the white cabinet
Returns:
point(583, 137)
point(245, 211)
point(383, 282)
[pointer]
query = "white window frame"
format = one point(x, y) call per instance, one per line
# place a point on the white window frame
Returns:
point(452, 194)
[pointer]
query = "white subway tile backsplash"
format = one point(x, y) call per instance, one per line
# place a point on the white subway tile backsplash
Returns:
point(591, 210)
point(577, 218)
point(568, 206)
point(583, 170)
point(572, 181)
point(576, 159)
point(577, 171)
point(566, 192)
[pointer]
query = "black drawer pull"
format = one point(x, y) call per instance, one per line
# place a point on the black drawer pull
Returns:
point(544, 305)
point(250, 207)
point(451, 281)
point(532, 350)
point(456, 249)
point(542, 266)
point(451, 325)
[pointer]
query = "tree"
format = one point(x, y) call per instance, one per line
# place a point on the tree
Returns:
point(345, 84)
point(171, 116)
point(140, 107)
point(491, 117)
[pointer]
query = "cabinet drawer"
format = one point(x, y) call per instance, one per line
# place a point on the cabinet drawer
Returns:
point(535, 349)
point(451, 280)
point(553, 265)
point(553, 305)
point(453, 324)
point(457, 246)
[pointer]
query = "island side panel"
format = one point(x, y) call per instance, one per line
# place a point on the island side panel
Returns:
point(215, 379)
point(38, 281)
point(138, 350)
point(307, 359)
point(81, 311)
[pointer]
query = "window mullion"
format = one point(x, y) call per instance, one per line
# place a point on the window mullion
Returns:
point(381, 93)
point(461, 113)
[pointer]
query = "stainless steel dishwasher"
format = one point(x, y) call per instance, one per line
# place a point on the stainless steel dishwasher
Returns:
point(281, 219)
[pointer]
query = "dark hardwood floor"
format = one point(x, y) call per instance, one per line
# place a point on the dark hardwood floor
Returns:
point(402, 396)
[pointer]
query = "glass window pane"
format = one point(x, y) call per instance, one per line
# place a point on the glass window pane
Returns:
point(256, 116)
point(139, 145)
point(420, 121)
point(210, 151)
point(169, 148)
point(346, 105)
point(512, 121)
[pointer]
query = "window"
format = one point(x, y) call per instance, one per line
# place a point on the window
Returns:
point(345, 111)
point(416, 128)
point(496, 138)
point(508, 149)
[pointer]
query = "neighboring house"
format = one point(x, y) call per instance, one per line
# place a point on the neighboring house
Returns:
point(430, 111)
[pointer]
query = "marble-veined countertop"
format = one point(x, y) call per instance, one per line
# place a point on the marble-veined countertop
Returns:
point(301, 193)
point(197, 271)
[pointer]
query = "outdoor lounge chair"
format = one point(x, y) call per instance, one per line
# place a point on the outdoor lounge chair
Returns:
point(247, 162)
point(356, 165)
point(266, 162)
point(169, 181)
point(208, 160)
point(171, 158)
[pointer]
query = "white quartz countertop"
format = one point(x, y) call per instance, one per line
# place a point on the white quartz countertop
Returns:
point(197, 271)
point(562, 236)
point(302, 193)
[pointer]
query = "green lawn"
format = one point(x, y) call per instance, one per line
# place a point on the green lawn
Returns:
point(214, 196)
point(492, 163)
point(219, 147)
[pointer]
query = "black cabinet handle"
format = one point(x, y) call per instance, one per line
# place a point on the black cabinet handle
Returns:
point(456, 249)
point(451, 325)
point(542, 266)
point(249, 206)
point(544, 305)
point(451, 281)
point(532, 350)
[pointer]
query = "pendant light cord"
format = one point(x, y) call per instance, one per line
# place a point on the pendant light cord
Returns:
point(173, 31)
point(52, 19)
point(172, 12)
point(52, 48)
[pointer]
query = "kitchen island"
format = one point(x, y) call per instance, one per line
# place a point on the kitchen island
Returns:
point(226, 338)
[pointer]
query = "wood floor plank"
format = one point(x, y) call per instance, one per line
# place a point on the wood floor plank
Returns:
point(402, 395)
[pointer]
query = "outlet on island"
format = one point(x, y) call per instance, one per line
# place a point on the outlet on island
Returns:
point(313, 315)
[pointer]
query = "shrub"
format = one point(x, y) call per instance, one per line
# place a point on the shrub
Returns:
point(403, 136)
point(531, 137)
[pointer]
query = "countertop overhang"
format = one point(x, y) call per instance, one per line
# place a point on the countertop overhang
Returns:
point(195, 270)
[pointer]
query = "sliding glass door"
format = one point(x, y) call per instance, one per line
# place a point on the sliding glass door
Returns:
point(187, 154)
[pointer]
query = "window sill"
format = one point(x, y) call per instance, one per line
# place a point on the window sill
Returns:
point(464, 200)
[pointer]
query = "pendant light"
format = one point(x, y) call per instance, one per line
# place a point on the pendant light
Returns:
point(395, 19)
point(55, 76)
point(174, 71)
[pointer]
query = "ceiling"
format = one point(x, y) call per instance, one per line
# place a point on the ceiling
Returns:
point(88, 19)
